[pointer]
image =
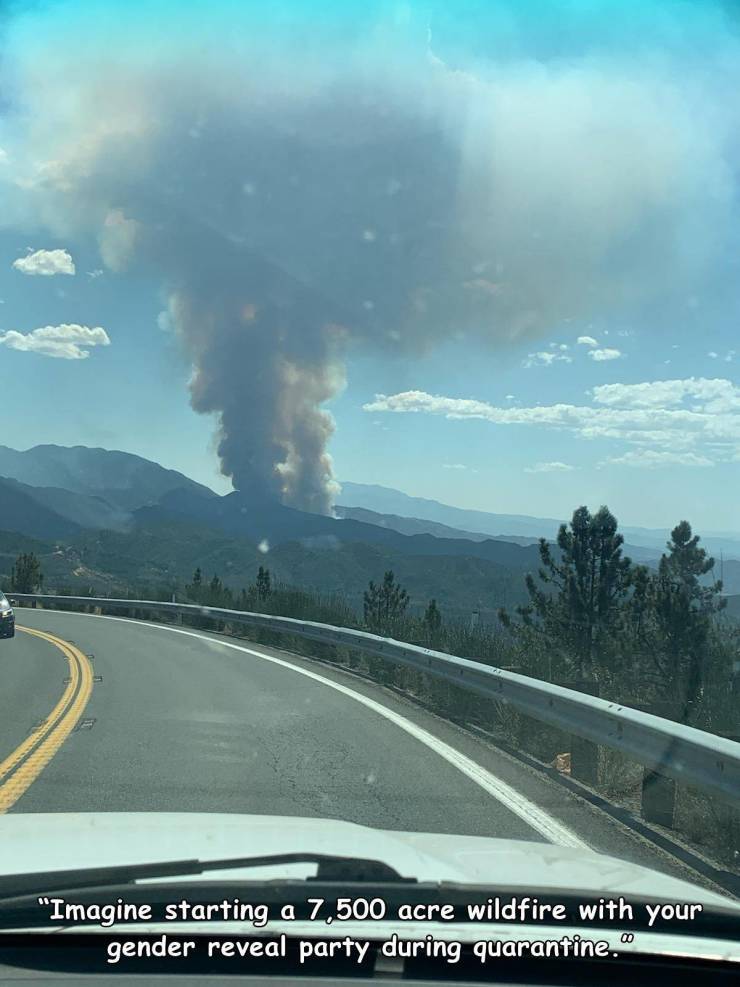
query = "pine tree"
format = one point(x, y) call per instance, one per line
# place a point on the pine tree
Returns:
point(432, 621)
point(682, 610)
point(26, 576)
point(218, 595)
point(385, 605)
point(264, 583)
point(578, 606)
point(194, 589)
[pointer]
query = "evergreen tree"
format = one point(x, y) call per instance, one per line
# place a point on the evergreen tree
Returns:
point(215, 590)
point(26, 576)
point(682, 608)
point(385, 605)
point(432, 621)
point(264, 583)
point(194, 589)
point(578, 606)
point(217, 594)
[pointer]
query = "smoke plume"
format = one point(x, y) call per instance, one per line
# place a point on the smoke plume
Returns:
point(303, 182)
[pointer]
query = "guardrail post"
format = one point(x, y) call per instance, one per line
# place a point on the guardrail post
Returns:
point(658, 798)
point(658, 790)
point(731, 820)
point(584, 754)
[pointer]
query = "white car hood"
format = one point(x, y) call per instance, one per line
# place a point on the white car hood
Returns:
point(32, 843)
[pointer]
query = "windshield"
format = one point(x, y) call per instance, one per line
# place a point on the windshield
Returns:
point(413, 320)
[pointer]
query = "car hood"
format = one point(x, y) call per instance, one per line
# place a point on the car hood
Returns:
point(40, 842)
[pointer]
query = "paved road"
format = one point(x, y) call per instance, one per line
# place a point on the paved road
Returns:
point(191, 722)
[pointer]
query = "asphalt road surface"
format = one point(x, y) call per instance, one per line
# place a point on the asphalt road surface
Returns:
point(189, 721)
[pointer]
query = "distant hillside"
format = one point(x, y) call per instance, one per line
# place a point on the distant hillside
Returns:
point(116, 521)
point(22, 513)
point(415, 525)
point(81, 509)
point(730, 572)
point(266, 520)
point(733, 608)
point(385, 500)
point(123, 480)
point(642, 543)
point(163, 556)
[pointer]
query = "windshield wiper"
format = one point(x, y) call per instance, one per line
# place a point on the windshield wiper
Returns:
point(330, 868)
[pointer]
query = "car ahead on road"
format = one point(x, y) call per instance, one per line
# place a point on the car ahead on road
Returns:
point(7, 617)
point(274, 897)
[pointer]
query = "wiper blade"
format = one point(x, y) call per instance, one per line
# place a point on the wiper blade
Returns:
point(330, 868)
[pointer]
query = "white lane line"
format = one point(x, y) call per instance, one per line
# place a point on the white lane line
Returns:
point(539, 820)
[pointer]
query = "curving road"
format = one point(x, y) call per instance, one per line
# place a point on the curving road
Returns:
point(182, 720)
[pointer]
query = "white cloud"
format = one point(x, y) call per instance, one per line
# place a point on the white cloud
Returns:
point(95, 274)
point(66, 342)
point(654, 458)
point(597, 353)
point(708, 394)
point(605, 354)
point(46, 263)
point(545, 358)
point(555, 467)
point(681, 415)
point(454, 466)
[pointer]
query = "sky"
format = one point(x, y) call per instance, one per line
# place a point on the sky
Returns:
point(490, 258)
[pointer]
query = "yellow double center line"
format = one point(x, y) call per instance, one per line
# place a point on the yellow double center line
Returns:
point(23, 766)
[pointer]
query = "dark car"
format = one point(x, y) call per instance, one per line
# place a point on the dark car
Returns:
point(7, 618)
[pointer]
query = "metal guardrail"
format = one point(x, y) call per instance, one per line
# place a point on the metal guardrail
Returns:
point(670, 749)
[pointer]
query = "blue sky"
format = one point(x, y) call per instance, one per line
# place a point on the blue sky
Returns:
point(594, 198)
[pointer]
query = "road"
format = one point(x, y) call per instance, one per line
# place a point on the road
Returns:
point(182, 720)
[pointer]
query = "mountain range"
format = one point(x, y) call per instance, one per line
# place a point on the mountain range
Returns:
point(387, 501)
point(114, 520)
point(123, 480)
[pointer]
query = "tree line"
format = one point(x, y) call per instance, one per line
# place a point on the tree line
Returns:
point(595, 617)
point(594, 620)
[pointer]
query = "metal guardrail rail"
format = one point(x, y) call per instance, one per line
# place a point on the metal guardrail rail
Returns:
point(670, 749)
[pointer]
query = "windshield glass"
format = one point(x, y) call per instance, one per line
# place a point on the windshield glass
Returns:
point(413, 320)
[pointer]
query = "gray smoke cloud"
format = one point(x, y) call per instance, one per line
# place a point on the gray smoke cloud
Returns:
point(302, 192)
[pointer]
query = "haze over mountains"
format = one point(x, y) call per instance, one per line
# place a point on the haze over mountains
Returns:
point(113, 520)
point(122, 479)
point(385, 500)
point(122, 522)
